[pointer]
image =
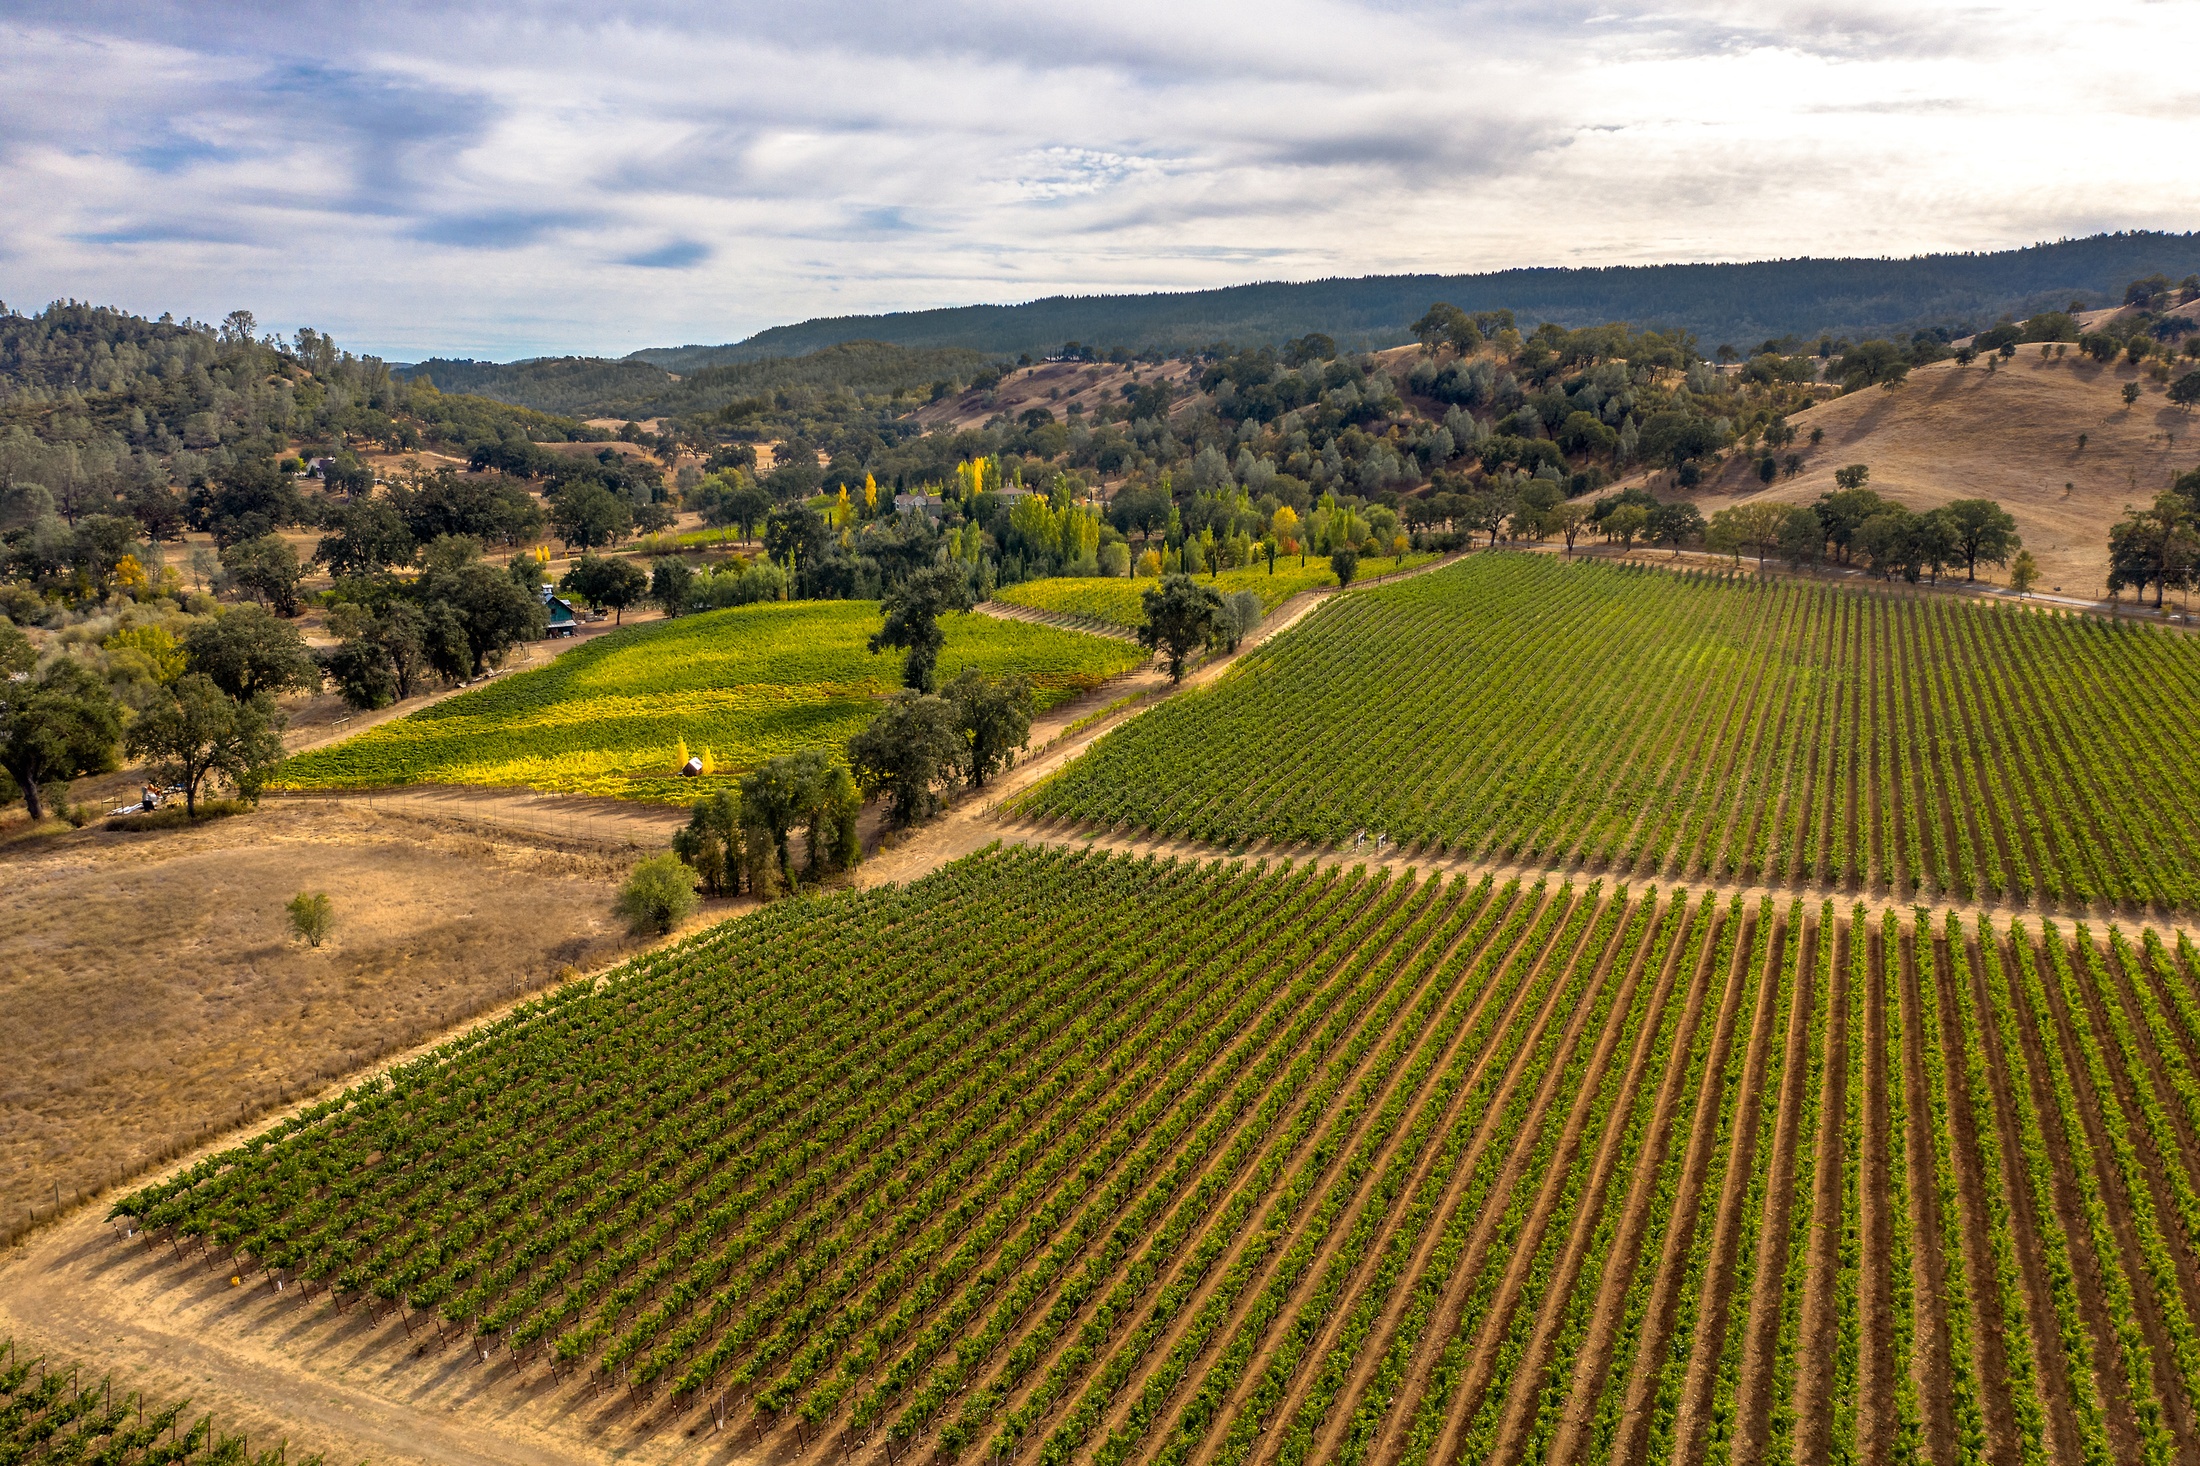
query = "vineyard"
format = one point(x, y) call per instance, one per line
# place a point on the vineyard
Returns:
point(1060, 1156)
point(747, 683)
point(1116, 600)
point(55, 1414)
point(1522, 708)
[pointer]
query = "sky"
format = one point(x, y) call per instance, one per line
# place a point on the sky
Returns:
point(499, 181)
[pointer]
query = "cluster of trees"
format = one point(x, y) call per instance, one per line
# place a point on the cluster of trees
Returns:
point(1333, 437)
point(373, 533)
point(1857, 525)
point(189, 422)
point(2158, 545)
point(1476, 434)
point(923, 742)
point(740, 839)
point(196, 711)
point(595, 499)
point(1184, 617)
point(917, 747)
point(768, 396)
point(454, 619)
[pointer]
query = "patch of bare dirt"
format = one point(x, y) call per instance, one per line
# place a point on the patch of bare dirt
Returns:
point(153, 995)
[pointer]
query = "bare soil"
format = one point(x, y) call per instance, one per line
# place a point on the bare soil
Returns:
point(1476, 1255)
point(1971, 1183)
point(1714, 1304)
point(1394, 960)
point(1815, 1348)
point(1930, 1359)
point(1525, 1393)
point(2054, 1385)
point(1593, 1363)
point(1689, 1200)
point(1876, 1384)
point(1755, 1402)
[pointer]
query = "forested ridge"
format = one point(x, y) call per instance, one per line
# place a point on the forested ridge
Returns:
point(1754, 299)
point(634, 388)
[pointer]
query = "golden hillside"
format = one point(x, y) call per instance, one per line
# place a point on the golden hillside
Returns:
point(2010, 434)
point(1054, 385)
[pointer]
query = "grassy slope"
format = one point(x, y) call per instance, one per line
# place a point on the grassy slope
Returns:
point(1118, 601)
point(747, 683)
point(1957, 432)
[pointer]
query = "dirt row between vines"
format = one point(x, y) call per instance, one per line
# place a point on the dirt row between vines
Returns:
point(1017, 1394)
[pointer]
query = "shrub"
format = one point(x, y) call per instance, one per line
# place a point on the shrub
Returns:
point(658, 895)
point(311, 916)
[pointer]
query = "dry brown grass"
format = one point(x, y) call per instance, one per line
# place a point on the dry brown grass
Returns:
point(151, 992)
point(1089, 384)
point(1953, 432)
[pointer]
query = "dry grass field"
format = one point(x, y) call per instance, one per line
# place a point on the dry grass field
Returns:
point(150, 989)
point(1053, 385)
point(2011, 434)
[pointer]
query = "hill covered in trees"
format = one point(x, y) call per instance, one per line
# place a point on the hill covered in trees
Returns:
point(639, 389)
point(1737, 302)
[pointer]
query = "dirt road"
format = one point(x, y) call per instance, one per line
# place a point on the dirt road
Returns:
point(564, 817)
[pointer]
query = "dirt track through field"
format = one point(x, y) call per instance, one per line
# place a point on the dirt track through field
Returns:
point(357, 1385)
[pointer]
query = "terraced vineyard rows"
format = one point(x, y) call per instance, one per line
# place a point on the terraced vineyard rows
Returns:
point(1059, 1156)
point(1518, 707)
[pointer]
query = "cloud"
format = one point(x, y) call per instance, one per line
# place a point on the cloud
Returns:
point(182, 230)
point(678, 255)
point(419, 178)
point(493, 230)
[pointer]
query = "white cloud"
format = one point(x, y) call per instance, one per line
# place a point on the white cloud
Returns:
point(498, 180)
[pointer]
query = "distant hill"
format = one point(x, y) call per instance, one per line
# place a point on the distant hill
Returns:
point(592, 387)
point(575, 385)
point(1740, 303)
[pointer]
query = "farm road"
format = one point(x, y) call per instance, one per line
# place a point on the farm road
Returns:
point(1069, 836)
point(559, 816)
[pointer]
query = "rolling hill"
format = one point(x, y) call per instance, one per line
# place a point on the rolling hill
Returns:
point(1953, 432)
